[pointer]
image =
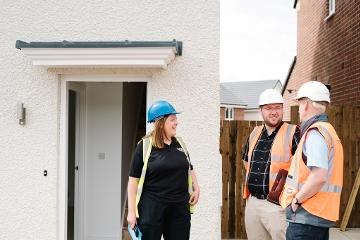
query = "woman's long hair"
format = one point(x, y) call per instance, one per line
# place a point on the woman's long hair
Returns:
point(157, 134)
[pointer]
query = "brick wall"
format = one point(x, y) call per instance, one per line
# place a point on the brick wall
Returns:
point(222, 113)
point(327, 51)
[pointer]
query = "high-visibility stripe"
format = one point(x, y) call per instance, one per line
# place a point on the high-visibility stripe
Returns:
point(291, 181)
point(278, 158)
point(190, 181)
point(288, 137)
point(147, 145)
point(327, 187)
point(287, 145)
point(331, 162)
point(331, 188)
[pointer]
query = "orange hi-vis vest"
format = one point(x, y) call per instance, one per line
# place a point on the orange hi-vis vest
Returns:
point(325, 203)
point(280, 152)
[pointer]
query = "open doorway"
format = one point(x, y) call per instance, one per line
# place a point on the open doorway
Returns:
point(75, 160)
point(71, 164)
point(134, 128)
point(105, 121)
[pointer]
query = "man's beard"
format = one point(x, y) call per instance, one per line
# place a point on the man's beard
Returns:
point(270, 124)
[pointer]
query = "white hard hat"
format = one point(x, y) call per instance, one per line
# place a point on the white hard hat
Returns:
point(269, 96)
point(315, 91)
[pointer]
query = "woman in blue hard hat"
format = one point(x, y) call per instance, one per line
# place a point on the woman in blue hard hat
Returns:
point(162, 188)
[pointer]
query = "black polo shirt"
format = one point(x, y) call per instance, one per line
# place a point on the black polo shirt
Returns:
point(258, 179)
point(166, 177)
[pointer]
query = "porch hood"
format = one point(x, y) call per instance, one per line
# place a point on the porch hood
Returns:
point(124, 54)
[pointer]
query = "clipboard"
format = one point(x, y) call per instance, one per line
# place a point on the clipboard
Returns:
point(135, 233)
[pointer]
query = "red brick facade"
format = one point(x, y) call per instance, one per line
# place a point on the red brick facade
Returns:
point(328, 50)
point(222, 113)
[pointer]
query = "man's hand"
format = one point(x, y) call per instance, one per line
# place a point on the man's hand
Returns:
point(313, 184)
point(294, 206)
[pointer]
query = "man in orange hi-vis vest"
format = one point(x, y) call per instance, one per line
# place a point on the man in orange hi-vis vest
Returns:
point(314, 182)
point(267, 155)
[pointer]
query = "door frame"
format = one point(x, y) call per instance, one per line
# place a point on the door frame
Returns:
point(62, 182)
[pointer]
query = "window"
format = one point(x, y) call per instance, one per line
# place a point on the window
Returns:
point(331, 7)
point(229, 113)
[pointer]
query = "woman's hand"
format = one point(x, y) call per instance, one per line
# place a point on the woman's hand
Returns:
point(131, 219)
point(132, 190)
point(194, 197)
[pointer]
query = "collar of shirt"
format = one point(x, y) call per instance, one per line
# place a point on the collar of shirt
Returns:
point(173, 143)
point(317, 118)
point(265, 133)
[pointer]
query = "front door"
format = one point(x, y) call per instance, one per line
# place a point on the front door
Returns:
point(76, 97)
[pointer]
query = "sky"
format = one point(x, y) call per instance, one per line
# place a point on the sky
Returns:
point(257, 39)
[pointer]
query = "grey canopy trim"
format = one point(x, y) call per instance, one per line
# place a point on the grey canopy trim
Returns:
point(114, 44)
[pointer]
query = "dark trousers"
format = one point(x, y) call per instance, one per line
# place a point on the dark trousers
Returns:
point(297, 231)
point(172, 220)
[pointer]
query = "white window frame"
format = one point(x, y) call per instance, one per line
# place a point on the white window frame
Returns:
point(331, 8)
point(332, 4)
point(229, 113)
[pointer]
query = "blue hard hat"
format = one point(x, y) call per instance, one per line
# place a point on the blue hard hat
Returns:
point(160, 109)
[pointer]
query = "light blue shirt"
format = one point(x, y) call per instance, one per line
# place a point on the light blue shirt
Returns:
point(316, 150)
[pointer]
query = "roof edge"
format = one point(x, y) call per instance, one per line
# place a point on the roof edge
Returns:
point(264, 80)
point(233, 105)
point(292, 66)
point(178, 45)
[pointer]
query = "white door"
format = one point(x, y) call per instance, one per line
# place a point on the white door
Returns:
point(75, 166)
point(103, 151)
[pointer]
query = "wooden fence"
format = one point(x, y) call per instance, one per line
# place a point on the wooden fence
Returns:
point(233, 134)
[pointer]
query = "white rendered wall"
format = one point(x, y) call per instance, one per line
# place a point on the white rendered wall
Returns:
point(103, 176)
point(252, 115)
point(28, 200)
